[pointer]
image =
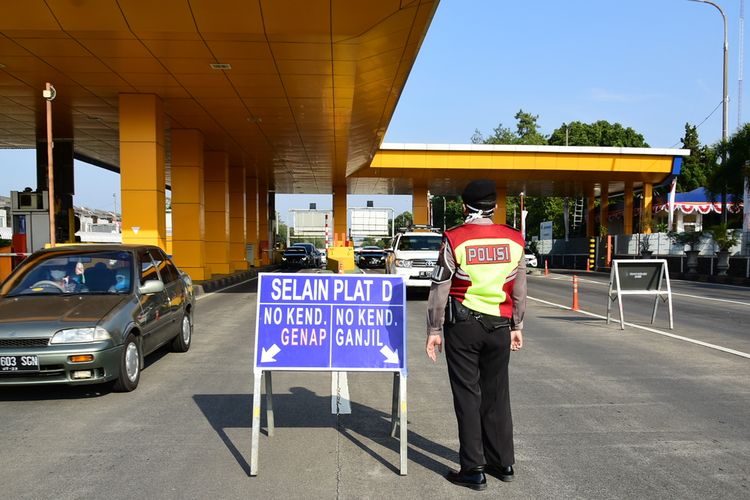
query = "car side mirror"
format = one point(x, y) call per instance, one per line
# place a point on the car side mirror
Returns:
point(151, 287)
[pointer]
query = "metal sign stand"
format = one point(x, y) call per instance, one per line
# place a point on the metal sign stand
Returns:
point(398, 416)
point(330, 323)
point(639, 277)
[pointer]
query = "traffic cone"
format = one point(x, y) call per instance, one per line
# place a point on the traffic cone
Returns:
point(546, 267)
point(575, 294)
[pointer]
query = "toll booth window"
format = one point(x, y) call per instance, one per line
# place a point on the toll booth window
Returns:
point(148, 268)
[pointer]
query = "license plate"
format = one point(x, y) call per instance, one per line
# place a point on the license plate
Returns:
point(12, 364)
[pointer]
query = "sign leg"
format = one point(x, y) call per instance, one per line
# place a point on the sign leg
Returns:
point(256, 424)
point(656, 305)
point(622, 317)
point(269, 403)
point(395, 403)
point(403, 437)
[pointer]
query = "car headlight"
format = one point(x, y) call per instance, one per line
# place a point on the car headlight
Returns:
point(403, 263)
point(79, 335)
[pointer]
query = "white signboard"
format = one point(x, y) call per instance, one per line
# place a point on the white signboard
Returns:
point(370, 222)
point(310, 222)
point(639, 277)
point(545, 230)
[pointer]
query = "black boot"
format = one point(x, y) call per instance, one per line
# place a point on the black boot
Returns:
point(472, 478)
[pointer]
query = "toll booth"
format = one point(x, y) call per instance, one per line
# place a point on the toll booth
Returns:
point(30, 215)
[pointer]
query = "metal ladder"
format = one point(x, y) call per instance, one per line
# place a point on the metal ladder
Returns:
point(578, 207)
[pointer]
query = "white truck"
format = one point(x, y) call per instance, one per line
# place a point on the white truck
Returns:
point(413, 255)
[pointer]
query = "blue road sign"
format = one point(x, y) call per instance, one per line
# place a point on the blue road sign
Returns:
point(330, 322)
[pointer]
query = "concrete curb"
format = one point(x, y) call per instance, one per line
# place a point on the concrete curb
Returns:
point(219, 282)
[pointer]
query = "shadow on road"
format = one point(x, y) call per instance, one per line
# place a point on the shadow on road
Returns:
point(305, 409)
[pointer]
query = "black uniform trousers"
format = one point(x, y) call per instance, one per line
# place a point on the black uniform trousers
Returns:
point(478, 370)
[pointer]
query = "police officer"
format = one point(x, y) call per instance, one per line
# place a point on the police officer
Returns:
point(478, 298)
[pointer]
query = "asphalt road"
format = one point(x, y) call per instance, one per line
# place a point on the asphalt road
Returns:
point(598, 412)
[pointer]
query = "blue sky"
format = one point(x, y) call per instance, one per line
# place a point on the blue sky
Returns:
point(652, 65)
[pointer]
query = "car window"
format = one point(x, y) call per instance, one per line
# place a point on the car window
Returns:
point(148, 268)
point(72, 271)
point(164, 266)
point(419, 242)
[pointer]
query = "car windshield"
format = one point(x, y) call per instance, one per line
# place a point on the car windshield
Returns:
point(72, 272)
point(418, 242)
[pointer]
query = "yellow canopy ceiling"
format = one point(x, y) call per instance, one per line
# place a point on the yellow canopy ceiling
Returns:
point(310, 87)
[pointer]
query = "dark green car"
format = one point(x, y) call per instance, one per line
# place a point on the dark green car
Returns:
point(85, 314)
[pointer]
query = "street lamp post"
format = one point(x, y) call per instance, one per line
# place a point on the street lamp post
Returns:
point(725, 99)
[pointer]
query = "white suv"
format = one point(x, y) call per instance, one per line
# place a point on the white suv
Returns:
point(413, 255)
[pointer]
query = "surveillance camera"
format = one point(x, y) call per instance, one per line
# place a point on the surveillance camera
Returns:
point(49, 94)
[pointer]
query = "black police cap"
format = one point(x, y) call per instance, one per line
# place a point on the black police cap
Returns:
point(480, 194)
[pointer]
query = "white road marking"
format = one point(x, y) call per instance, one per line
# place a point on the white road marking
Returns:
point(728, 301)
point(340, 401)
point(653, 330)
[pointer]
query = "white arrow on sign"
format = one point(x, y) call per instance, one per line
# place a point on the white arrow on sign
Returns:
point(268, 356)
point(390, 356)
point(136, 229)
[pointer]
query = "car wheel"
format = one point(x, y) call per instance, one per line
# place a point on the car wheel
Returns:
point(181, 343)
point(130, 365)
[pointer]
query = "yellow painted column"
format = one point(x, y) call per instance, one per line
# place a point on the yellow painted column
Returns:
point(419, 203)
point(501, 212)
point(251, 222)
point(142, 180)
point(339, 214)
point(237, 228)
point(603, 207)
point(627, 215)
point(215, 182)
point(646, 211)
point(590, 211)
point(188, 203)
point(263, 237)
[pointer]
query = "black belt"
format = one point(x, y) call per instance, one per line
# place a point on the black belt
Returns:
point(456, 312)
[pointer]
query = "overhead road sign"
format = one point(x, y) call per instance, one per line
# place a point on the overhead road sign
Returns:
point(325, 322)
point(639, 277)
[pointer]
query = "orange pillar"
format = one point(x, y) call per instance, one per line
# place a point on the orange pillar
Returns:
point(188, 203)
point(263, 228)
point(142, 180)
point(216, 176)
point(501, 212)
point(603, 208)
point(646, 211)
point(627, 216)
point(251, 200)
point(339, 214)
point(590, 211)
point(419, 203)
point(237, 228)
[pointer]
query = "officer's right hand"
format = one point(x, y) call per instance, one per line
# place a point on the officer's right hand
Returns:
point(434, 341)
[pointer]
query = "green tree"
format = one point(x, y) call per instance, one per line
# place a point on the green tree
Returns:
point(501, 135)
point(527, 132)
point(599, 133)
point(697, 167)
point(283, 232)
point(404, 219)
point(527, 129)
point(729, 175)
